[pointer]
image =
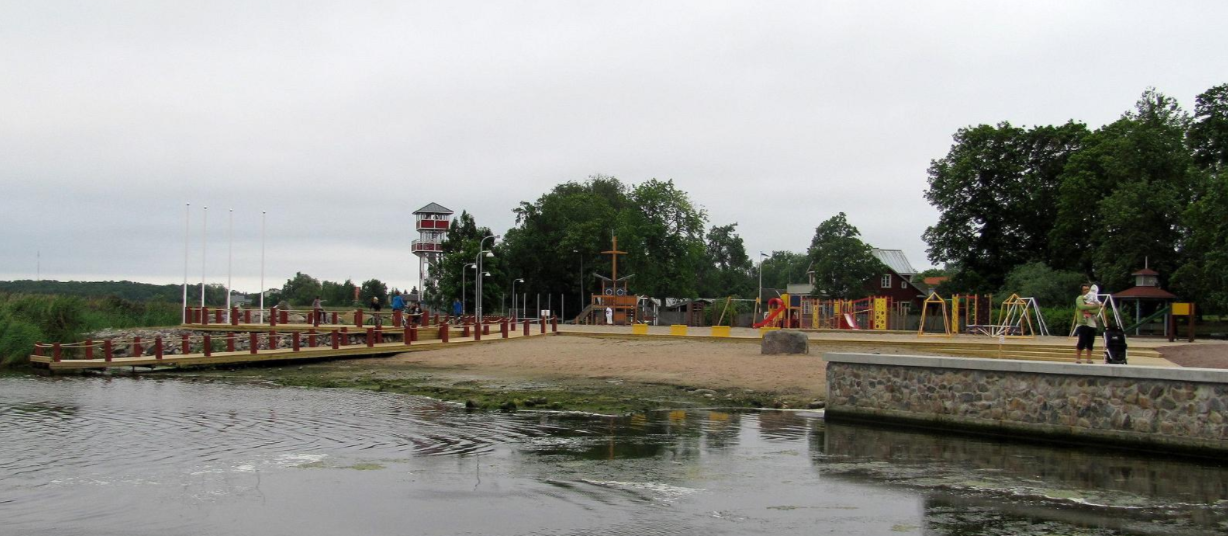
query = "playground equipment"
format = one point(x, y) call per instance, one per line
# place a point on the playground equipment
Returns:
point(935, 301)
point(777, 307)
point(614, 295)
point(1018, 318)
point(867, 313)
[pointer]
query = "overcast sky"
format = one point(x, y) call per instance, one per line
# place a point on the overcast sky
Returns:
point(340, 119)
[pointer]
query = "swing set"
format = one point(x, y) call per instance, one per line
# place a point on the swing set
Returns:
point(1018, 318)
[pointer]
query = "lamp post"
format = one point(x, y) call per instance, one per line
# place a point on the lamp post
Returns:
point(187, 237)
point(464, 274)
point(759, 297)
point(477, 287)
point(514, 281)
point(581, 278)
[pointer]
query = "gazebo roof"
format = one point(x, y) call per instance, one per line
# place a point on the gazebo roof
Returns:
point(1146, 293)
point(433, 208)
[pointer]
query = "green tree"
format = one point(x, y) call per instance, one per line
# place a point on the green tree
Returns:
point(337, 294)
point(665, 240)
point(455, 280)
point(1208, 134)
point(301, 290)
point(373, 288)
point(784, 267)
point(1122, 195)
point(841, 262)
point(1203, 275)
point(996, 191)
point(728, 270)
point(1051, 288)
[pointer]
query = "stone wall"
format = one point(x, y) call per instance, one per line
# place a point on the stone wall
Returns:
point(1153, 406)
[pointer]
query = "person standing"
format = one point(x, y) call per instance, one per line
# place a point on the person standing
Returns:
point(609, 316)
point(457, 311)
point(1085, 312)
point(398, 303)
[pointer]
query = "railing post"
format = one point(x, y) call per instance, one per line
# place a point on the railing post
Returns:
point(107, 351)
point(208, 345)
point(554, 324)
point(503, 328)
point(542, 321)
point(185, 346)
point(231, 338)
point(136, 347)
point(234, 316)
point(526, 327)
point(406, 336)
point(89, 348)
point(312, 340)
point(285, 317)
point(217, 316)
point(253, 344)
point(335, 318)
point(413, 333)
point(55, 352)
point(396, 319)
point(187, 315)
point(38, 349)
point(273, 316)
point(370, 337)
point(358, 318)
point(485, 328)
point(294, 344)
point(158, 347)
point(247, 316)
point(335, 341)
point(443, 333)
point(345, 338)
point(274, 340)
point(315, 317)
point(204, 316)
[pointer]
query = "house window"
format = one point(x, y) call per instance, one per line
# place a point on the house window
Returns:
point(903, 284)
point(886, 282)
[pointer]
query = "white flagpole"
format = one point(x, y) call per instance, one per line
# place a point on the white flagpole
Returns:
point(262, 266)
point(187, 238)
point(230, 250)
point(204, 233)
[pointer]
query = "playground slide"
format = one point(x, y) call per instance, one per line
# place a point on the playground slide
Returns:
point(775, 312)
point(852, 322)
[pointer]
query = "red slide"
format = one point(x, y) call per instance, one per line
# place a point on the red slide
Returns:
point(779, 308)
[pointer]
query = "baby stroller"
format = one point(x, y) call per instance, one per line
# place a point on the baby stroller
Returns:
point(1114, 345)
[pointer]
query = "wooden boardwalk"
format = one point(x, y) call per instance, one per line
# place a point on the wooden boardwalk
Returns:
point(51, 356)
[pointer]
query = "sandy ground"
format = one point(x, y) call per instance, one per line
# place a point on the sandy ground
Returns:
point(1203, 355)
point(701, 364)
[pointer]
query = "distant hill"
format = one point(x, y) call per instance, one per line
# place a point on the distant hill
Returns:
point(128, 290)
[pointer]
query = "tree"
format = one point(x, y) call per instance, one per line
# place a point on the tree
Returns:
point(1050, 287)
point(1122, 195)
point(784, 267)
point(373, 288)
point(842, 263)
point(1203, 275)
point(996, 191)
point(302, 289)
point(1208, 135)
point(666, 240)
point(337, 294)
point(728, 270)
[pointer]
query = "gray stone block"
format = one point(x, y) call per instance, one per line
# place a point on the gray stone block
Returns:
point(785, 342)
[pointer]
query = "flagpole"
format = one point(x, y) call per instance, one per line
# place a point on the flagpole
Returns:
point(204, 233)
point(262, 266)
point(187, 238)
point(230, 249)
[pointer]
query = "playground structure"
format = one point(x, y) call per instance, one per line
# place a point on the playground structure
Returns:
point(1018, 317)
point(615, 296)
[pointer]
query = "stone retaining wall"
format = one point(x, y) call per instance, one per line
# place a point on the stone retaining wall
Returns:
point(1151, 406)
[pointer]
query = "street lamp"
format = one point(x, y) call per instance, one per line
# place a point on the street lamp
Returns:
point(478, 280)
point(581, 278)
point(759, 297)
point(464, 274)
point(514, 281)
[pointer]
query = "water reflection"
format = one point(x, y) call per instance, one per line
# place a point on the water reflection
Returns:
point(994, 482)
point(83, 454)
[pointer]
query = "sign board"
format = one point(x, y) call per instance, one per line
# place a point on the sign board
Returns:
point(1181, 309)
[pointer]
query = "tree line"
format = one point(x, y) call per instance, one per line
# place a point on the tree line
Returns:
point(1062, 202)
point(558, 240)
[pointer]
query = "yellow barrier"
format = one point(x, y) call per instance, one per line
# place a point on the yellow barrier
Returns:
point(639, 329)
point(720, 331)
point(678, 329)
point(763, 331)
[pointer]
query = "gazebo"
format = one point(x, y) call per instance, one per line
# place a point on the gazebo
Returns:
point(1149, 299)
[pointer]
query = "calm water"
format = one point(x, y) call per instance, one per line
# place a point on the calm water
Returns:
point(171, 457)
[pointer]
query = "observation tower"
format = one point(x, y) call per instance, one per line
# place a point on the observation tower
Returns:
point(432, 223)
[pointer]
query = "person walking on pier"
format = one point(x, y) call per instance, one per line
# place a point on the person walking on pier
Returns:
point(398, 303)
point(1085, 312)
point(375, 307)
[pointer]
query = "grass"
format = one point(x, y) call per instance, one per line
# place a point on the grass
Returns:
point(29, 318)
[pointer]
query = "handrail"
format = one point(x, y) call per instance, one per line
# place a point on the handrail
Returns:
point(1161, 312)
